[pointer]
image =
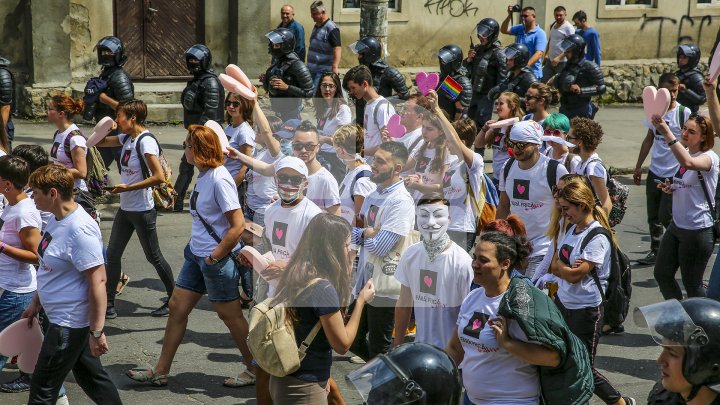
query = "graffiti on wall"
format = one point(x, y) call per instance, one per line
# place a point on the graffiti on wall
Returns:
point(455, 8)
point(681, 36)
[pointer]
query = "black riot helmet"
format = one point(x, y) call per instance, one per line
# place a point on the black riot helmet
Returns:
point(285, 38)
point(451, 58)
point(202, 54)
point(368, 49)
point(575, 44)
point(693, 54)
point(488, 28)
point(113, 45)
point(694, 324)
point(519, 53)
point(411, 374)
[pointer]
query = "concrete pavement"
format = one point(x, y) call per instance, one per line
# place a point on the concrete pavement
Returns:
point(207, 354)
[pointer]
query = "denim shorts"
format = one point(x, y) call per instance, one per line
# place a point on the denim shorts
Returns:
point(221, 281)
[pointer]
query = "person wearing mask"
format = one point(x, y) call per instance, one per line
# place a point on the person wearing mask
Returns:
point(435, 276)
point(507, 106)
point(560, 29)
point(589, 34)
point(71, 291)
point(117, 87)
point(487, 67)
point(663, 165)
point(137, 211)
point(579, 81)
point(690, 234)
point(287, 20)
point(555, 129)
point(520, 75)
point(288, 80)
point(325, 49)
point(209, 266)
point(581, 256)
point(455, 87)
point(202, 100)
point(587, 135)
point(7, 99)
point(356, 186)
point(387, 80)
point(316, 290)
point(61, 110)
point(331, 112)
point(525, 188)
point(529, 34)
point(690, 91)
point(241, 136)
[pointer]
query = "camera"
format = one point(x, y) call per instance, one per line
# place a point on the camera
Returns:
point(516, 8)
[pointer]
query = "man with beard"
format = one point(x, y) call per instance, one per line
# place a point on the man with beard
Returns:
point(322, 188)
point(386, 216)
point(526, 187)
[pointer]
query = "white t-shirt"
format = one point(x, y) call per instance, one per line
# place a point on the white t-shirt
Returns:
point(689, 206)
point(322, 189)
point(491, 375)
point(60, 156)
point(531, 199)
point(593, 166)
point(574, 163)
point(328, 126)
point(500, 151)
point(131, 172)
point(584, 293)
point(285, 225)
point(557, 34)
point(663, 163)
point(214, 195)
point(438, 289)
point(423, 168)
point(363, 187)
point(412, 141)
point(16, 276)
point(240, 135)
point(373, 137)
point(67, 249)
point(462, 216)
point(261, 189)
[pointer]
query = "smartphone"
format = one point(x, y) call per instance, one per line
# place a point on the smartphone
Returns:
point(658, 181)
point(108, 188)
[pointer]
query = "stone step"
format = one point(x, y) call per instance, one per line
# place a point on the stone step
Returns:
point(165, 113)
point(159, 93)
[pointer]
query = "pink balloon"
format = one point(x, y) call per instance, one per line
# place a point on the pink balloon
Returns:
point(655, 102)
point(234, 86)
point(19, 340)
point(714, 70)
point(427, 82)
point(259, 262)
point(395, 128)
point(224, 143)
point(236, 73)
point(504, 123)
point(102, 129)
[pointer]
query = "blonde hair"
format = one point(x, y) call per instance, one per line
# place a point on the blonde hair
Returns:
point(580, 194)
point(349, 137)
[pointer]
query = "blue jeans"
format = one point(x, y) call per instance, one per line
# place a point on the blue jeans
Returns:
point(12, 305)
point(220, 281)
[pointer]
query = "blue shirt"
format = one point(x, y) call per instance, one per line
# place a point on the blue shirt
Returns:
point(535, 40)
point(592, 40)
point(299, 34)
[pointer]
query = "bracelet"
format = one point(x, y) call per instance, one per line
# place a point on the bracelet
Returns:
point(669, 144)
point(2, 247)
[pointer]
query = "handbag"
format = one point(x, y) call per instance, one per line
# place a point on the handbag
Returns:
point(713, 213)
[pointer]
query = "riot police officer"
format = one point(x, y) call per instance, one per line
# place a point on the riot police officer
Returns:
point(7, 98)
point(386, 79)
point(288, 79)
point(202, 100)
point(691, 93)
point(579, 81)
point(455, 88)
point(487, 67)
point(520, 76)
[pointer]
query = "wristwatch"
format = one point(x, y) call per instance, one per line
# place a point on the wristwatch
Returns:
point(213, 260)
point(97, 333)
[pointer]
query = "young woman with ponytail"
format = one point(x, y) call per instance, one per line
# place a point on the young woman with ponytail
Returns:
point(431, 160)
point(60, 112)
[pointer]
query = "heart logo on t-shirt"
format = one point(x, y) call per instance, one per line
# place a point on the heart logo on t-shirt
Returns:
point(446, 178)
point(681, 171)
point(497, 139)
point(44, 243)
point(521, 189)
point(279, 233)
point(428, 282)
point(54, 150)
point(372, 214)
point(125, 157)
point(422, 164)
point(565, 253)
point(475, 325)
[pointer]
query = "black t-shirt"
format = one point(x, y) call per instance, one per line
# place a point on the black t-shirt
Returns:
point(317, 300)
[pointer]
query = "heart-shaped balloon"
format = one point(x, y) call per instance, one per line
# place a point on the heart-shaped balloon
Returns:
point(224, 143)
point(102, 129)
point(655, 102)
point(426, 82)
point(395, 128)
point(714, 70)
point(236, 73)
point(234, 86)
point(19, 340)
point(504, 123)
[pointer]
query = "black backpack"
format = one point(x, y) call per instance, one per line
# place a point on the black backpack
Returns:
point(616, 299)
point(551, 171)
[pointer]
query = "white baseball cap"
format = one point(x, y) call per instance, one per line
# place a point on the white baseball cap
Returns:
point(291, 162)
point(527, 131)
point(558, 140)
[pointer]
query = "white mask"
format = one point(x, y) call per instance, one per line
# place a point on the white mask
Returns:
point(433, 220)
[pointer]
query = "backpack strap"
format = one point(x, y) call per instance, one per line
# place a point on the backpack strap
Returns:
point(681, 115)
point(552, 173)
point(568, 161)
point(589, 182)
point(590, 235)
point(506, 169)
point(713, 213)
point(382, 102)
point(141, 157)
point(361, 174)
point(414, 144)
point(305, 344)
point(66, 142)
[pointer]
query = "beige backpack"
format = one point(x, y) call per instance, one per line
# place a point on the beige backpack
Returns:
point(271, 338)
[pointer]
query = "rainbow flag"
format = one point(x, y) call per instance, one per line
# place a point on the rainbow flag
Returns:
point(451, 87)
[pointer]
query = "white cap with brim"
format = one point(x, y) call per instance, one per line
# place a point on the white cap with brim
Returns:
point(558, 140)
point(527, 131)
point(291, 162)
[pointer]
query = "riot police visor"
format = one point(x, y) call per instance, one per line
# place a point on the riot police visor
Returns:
point(380, 381)
point(358, 47)
point(566, 45)
point(511, 53)
point(445, 56)
point(109, 44)
point(483, 31)
point(195, 53)
point(274, 37)
point(670, 325)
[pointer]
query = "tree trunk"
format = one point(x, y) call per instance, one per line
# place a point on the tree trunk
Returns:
point(373, 21)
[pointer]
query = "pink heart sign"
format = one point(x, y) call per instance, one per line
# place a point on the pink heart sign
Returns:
point(236, 73)
point(395, 128)
point(234, 86)
point(259, 262)
point(427, 82)
point(655, 101)
point(19, 340)
point(504, 123)
point(714, 70)
point(102, 129)
point(224, 143)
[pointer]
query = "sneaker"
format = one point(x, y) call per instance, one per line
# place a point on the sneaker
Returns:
point(649, 259)
point(357, 360)
point(63, 400)
point(629, 400)
point(110, 313)
point(20, 384)
point(162, 311)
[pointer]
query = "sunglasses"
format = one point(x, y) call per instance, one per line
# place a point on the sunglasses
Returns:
point(520, 145)
point(286, 178)
point(328, 86)
point(300, 146)
point(235, 104)
point(529, 97)
point(553, 132)
point(698, 118)
point(185, 145)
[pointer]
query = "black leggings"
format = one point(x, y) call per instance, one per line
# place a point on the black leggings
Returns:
point(142, 222)
point(689, 249)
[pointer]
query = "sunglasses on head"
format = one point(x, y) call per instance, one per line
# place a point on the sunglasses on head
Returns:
point(286, 178)
point(520, 145)
point(300, 146)
point(553, 132)
point(235, 104)
point(697, 117)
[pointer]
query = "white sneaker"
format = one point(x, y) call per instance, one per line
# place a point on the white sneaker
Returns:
point(356, 360)
point(63, 400)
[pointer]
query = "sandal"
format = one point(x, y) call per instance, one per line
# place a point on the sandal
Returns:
point(240, 381)
point(124, 278)
point(148, 375)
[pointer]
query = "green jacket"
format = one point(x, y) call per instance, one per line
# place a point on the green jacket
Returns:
point(571, 382)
